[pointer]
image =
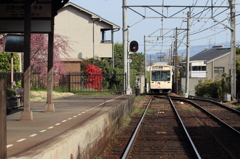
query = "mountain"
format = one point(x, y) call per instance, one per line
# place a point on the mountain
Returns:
point(193, 51)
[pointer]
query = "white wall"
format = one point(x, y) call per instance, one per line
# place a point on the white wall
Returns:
point(78, 27)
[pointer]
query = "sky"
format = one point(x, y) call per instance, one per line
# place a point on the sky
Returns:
point(203, 31)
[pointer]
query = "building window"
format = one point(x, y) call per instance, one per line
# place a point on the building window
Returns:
point(218, 69)
point(198, 68)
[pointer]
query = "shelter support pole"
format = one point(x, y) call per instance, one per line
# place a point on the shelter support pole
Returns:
point(49, 107)
point(12, 78)
point(3, 125)
point(27, 113)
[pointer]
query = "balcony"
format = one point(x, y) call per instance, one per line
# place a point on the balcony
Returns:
point(198, 74)
point(105, 49)
point(195, 74)
point(106, 41)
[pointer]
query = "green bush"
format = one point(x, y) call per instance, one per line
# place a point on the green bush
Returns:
point(213, 89)
point(5, 64)
point(10, 92)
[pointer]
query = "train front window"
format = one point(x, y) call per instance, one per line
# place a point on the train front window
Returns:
point(160, 75)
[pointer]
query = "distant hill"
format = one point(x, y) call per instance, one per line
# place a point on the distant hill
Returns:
point(193, 51)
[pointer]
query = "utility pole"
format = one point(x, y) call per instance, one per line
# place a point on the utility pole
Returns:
point(150, 60)
point(125, 52)
point(233, 49)
point(171, 56)
point(176, 64)
point(187, 57)
point(145, 64)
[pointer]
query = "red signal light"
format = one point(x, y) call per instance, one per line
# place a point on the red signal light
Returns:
point(134, 46)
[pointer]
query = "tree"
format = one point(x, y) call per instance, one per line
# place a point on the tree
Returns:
point(5, 65)
point(238, 75)
point(39, 56)
point(118, 55)
point(237, 50)
point(137, 62)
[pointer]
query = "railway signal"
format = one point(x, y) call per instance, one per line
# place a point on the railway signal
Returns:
point(134, 46)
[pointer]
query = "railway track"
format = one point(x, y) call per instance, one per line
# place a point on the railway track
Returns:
point(159, 133)
point(224, 113)
point(155, 138)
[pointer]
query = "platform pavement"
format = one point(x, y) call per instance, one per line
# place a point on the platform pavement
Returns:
point(24, 138)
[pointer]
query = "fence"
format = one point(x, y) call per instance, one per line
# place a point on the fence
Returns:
point(75, 82)
point(18, 76)
point(96, 83)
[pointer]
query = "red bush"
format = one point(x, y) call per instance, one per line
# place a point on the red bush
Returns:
point(95, 80)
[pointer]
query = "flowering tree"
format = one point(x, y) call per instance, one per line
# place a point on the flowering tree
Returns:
point(95, 80)
point(39, 56)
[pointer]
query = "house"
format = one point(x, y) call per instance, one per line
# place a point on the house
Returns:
point(88, 33)
point(210, 64)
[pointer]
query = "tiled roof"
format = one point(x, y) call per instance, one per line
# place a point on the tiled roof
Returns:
point(210, 54)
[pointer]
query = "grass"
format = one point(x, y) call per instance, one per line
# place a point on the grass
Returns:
point(126, 122)
point(128, 119)
point(138, 97)
point(94, 93)
point(137, 111)
point(193, 110)
point(238, 104)
point(151, 112)
point(65, 90)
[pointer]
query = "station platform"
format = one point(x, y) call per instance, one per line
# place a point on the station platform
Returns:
point(79, 128)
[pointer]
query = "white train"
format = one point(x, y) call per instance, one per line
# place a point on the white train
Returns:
point(161, 78)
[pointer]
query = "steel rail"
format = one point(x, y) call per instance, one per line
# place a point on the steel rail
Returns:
point(185, 130)
point(126, 152)
point(222, 105)
point(210, 114)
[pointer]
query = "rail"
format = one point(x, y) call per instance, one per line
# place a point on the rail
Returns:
point(126, 152)
point(185, 130)
point(212, 101)
point(210, 114)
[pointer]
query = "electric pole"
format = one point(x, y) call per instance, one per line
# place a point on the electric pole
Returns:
point(125, 50)
point(145, 65)
point(176, 64)
point(187, 57)
point(233, 49)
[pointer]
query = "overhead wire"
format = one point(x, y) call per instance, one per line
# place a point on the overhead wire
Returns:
point(199, 31)
point(211, 35)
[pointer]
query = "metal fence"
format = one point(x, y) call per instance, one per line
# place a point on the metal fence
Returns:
point(96, 83)
point(75, 82)
point(18, 76)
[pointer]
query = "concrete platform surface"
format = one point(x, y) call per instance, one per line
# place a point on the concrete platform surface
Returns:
point(79, 128)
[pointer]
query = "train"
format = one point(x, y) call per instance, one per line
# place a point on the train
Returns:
point(161, 77)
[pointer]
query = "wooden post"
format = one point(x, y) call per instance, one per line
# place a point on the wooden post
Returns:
point(12, 79)
point(3, 125)
point(49, 107)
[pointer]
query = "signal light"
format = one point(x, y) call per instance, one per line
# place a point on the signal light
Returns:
point(134, 46)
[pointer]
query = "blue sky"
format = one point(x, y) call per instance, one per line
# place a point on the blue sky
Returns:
point(111, 10)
